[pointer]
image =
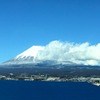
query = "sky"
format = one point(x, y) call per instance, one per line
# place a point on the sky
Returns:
point(24, 23)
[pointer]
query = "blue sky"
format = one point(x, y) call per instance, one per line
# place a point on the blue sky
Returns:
point(24, 23)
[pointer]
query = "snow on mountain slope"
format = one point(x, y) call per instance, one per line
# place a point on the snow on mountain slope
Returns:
point(31, 52)
point(27, 56)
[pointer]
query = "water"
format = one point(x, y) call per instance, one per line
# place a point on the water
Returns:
point(37, 90)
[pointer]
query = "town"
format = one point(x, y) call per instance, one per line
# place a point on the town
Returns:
point(40, 77)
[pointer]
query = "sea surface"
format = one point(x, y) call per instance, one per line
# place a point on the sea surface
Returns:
point(40, 90)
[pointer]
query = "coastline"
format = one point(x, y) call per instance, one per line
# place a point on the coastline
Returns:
point(90, 80)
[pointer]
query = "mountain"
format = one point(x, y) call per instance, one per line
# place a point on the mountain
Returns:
point(26, 57)
point(33, 56)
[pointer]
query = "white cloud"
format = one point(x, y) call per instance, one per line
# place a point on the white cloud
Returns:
point(76, 53)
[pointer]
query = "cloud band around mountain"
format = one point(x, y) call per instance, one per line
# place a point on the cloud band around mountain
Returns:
point(76, 53)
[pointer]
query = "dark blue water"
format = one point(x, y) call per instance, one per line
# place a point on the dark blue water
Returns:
point(27, 90)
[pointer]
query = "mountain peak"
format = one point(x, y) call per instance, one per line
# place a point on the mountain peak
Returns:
point(28, 56)
point(31, 52)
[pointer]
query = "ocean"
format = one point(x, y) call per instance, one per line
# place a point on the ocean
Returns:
point(41, 90)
